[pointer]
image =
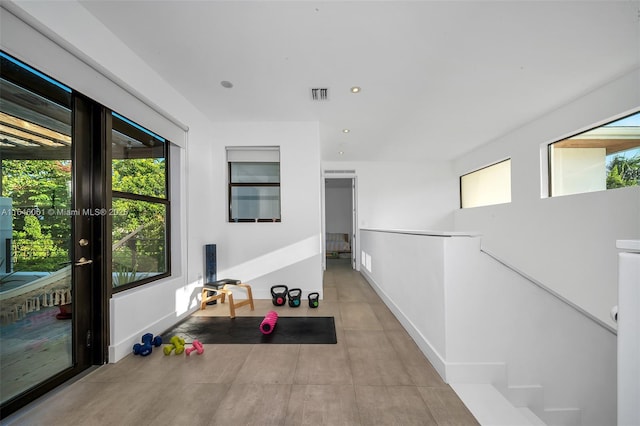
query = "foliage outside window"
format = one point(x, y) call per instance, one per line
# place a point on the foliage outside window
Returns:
point(605, 157)
point(254, 184)
point(140, 205)
point(35, 152)
point(40, 240)
point(487, 186)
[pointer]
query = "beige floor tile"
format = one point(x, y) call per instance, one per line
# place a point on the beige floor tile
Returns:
point(369, 294)
point(133, 368)
point(328, 282)
point(93, 403)
point(59, 407)
point(420, 370)
point(392, 405)
point(323, 365)
point(368, 370)
point(329, 294)
point(375, 374)
point(269, 364)
point(218, 364)
point(312, 405)
point(350, 294)
point(446, 407)
point(358, 316)
point(386, 317)
point(374, 342)
point(253, 405)
point(373, 359)
point(197, 404)
point(325, 309)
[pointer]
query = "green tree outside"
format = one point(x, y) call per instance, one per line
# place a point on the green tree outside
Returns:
point(623, 171)
point(41, 240)
point(138, 231)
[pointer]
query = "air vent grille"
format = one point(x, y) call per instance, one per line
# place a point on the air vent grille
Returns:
point(319, 94)
point(339, 171)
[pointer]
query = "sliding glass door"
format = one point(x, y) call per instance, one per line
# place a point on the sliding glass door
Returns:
point(47, 270)
point(84, 213)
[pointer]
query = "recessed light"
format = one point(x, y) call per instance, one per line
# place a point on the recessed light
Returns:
point(226, 84)
point(341, 152)
point(355, 89)
point(345, 130)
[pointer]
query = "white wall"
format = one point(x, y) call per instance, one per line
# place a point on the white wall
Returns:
point(567, 243)
point(403, 195)
point(494, 315)
point(408, 273)
point(479, 322)
point(629, 332)
point(263, 254)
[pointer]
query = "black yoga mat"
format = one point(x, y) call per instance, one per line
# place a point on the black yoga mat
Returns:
point(302, 330)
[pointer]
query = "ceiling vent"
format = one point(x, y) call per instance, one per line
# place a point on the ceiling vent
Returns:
point(319, 94)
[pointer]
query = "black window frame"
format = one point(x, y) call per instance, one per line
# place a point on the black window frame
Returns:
point(232, 185)
point(549, 160)
point(123, 127)
point(460, 184)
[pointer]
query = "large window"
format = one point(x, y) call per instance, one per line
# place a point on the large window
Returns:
point(254, 184)
point(605, 157)
point(140, 204)
point(487, 186)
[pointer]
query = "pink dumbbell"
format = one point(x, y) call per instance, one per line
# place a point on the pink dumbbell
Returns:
point(196, 346)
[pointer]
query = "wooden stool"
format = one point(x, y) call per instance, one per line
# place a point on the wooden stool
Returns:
point(221, 290)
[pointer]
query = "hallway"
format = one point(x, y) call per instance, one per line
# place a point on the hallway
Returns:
point(374, 375)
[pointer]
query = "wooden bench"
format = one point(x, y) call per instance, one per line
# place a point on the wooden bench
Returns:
point(222, 290)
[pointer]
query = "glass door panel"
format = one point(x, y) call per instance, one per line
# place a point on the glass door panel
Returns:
point(36, 285)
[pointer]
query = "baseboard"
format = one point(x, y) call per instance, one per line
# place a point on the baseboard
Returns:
point(530, 396)
point(491, 373)
point(434, 357)
point(491, 408)
point(124, 347)
point(562, 416)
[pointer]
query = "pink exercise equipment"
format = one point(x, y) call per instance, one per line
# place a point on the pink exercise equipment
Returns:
point(269, 322)
point(195, 346)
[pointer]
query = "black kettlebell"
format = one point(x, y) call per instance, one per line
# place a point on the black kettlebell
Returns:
point(295, 294)
point(279, 294)
point(314, 300)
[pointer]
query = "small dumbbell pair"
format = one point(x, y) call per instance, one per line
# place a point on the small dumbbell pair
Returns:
point(146, 347)
point(195, 346)
point(175, 344)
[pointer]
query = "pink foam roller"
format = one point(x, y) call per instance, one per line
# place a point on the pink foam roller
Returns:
point(269, 322)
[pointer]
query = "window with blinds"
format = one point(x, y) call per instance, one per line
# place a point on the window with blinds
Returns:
point(254, 184)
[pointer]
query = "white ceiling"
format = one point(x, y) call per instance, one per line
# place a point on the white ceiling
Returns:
point(437, 78)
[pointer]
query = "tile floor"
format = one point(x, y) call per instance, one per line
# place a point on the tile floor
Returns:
point(374, 375)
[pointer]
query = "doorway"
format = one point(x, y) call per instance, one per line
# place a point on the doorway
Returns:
point(340, 221)
point(52, 291)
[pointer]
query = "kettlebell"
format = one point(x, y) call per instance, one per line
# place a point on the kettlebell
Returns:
point(314, 300)
point(295, 294)
point(279, 294)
